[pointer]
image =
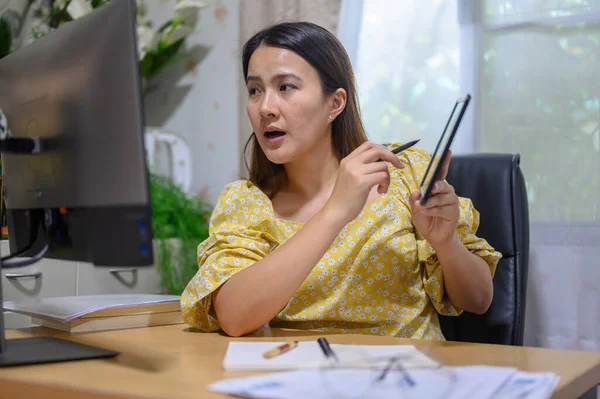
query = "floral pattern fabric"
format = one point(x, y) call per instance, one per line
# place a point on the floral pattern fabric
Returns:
point(378, 277)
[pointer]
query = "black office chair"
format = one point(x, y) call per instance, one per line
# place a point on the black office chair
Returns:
point(495, 184)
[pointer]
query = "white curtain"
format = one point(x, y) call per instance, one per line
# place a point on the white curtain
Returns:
point(532, 67)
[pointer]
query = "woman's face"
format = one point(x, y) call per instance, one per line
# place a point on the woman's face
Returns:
point(287, 109)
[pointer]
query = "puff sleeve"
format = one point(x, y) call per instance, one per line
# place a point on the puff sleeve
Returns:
point(238, 237)
point(416, 161)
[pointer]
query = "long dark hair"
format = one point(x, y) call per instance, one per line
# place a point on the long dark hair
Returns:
point(325, 53)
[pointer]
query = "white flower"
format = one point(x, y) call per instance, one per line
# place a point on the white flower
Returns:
point(172, 35)
point(187, 12)
point(79, 8)
point(141, 9)
point(147, 39)
point(58, 3)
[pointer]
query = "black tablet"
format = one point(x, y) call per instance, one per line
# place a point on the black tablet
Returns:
point(441, 150)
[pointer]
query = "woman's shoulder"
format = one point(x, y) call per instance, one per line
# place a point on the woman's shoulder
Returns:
point(242, 192)
point(242, 202)
point(239, 189)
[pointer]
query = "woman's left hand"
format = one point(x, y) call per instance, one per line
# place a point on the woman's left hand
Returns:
point(438, 218)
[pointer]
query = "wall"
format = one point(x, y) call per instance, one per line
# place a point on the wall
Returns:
point(198, 97)
point(563, 295)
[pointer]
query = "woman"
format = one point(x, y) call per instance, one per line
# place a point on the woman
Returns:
point(324, 235)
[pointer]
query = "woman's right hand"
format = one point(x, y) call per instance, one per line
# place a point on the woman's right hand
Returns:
point(359, 172)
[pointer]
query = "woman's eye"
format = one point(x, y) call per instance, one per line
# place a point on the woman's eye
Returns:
point(252, 90)
point(287, 87)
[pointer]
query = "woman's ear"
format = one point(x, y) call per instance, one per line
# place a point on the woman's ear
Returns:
point(337, 103)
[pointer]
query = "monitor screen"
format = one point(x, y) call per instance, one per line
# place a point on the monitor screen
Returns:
point(79, 90)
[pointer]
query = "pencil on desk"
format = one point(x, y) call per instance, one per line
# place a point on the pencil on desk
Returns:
point(288, 346)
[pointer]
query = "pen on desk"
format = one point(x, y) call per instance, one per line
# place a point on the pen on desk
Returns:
point(278, 350)
point(405, 146)
point(327, 351)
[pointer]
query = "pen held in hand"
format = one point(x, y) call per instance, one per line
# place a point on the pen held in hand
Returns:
point(278, 350)
point(406, 146)
point(403, 147)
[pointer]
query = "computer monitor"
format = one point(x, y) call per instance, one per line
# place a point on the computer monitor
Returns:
point(75, 172)
point(78, 90)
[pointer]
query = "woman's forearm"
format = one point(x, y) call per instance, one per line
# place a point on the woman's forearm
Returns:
point(467, 277)
point(255, 295)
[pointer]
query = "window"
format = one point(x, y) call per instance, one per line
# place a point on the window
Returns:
point(531, 66)
point(407, 66)
point(540, 96)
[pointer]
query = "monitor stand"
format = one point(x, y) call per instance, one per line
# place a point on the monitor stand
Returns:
point(37, 350)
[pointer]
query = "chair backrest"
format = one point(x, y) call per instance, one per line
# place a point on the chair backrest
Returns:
point(495, 184)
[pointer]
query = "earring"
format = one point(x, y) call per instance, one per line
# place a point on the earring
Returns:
point(330, 117)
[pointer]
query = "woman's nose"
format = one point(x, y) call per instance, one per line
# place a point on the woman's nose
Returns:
point(268, 106)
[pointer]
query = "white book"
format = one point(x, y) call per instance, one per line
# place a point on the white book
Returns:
point(86, 324)
point(100, 312)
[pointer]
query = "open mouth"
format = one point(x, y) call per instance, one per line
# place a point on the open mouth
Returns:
point(274, 134)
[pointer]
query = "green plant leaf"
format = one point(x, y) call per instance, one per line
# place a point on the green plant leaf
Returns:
point(175, 215)
point(98, 3)
point(146, 65)
point(165, 26)
point(159, 59)
point(5, 38)
point(177, 264)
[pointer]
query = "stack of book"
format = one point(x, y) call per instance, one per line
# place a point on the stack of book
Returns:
point(100, 312)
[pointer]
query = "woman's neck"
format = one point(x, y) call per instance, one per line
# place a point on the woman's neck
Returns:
point(313, 174)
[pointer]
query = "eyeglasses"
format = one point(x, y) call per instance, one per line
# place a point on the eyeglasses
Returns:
point(358, 376)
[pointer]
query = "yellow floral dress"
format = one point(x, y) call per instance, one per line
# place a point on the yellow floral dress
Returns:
point(378, 277)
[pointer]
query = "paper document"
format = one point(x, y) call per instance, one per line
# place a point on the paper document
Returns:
point(529, 385)
point(482, 382)
point(248, 356)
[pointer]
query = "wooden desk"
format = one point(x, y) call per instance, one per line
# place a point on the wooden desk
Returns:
point(176, 362)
